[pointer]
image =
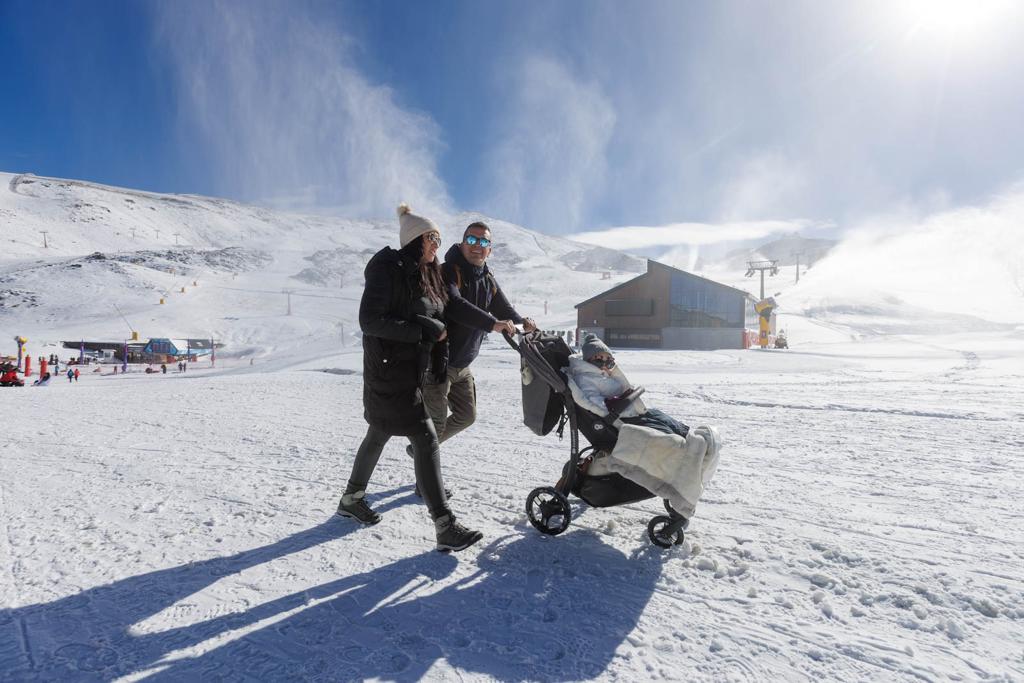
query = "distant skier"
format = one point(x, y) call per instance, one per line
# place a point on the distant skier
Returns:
point(42, 381)
point(163, 368)
point(71, 375)
point(76, 374)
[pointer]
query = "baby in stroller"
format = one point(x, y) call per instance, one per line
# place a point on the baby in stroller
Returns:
point(668, 458)
point(601, 388)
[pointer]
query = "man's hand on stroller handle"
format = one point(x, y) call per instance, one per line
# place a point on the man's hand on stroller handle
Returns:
point(505, 327)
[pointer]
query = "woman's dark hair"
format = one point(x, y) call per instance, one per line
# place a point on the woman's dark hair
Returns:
point(430, 273)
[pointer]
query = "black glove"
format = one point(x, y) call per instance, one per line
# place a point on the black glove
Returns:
point(616, 404)
point(432, 328)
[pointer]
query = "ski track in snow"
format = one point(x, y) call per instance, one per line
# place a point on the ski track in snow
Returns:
point(180, 528)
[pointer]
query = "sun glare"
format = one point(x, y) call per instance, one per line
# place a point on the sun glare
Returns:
point(955, 21)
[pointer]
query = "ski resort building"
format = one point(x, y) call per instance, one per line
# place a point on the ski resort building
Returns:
point(156, 350)
point(668, 308)
point(177, 349)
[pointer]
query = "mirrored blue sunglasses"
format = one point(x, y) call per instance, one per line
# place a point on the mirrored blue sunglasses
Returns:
point(473, 240)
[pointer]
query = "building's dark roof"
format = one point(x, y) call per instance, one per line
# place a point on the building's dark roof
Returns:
point(614, 289)
point(193, 344)
point(651, 262)
point(717, 284)
point(92, 346)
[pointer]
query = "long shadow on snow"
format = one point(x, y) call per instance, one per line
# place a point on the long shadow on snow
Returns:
point(535, 609)
point(86, 636)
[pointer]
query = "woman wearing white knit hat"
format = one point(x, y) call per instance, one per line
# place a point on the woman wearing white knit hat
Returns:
point(402, 318)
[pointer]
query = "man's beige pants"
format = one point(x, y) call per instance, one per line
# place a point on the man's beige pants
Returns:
point(457, 394)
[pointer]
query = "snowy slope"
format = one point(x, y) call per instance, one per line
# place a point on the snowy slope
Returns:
point(233, 261)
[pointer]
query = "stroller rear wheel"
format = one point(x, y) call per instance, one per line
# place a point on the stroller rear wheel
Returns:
point(548, 510)
point(665, 532)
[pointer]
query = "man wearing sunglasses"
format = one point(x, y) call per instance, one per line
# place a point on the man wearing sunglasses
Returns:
point(476, 306)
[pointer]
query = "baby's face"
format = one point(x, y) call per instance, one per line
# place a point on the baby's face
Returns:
point(603, 360)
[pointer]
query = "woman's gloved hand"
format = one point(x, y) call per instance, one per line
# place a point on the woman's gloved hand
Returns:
point(433, 329)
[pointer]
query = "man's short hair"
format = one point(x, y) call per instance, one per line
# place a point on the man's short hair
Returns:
point(479, 224)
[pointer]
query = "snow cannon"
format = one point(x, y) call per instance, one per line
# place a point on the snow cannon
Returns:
point(20, 341)
point(765, 308)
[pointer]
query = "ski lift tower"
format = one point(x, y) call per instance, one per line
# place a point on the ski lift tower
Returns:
point(760, 267)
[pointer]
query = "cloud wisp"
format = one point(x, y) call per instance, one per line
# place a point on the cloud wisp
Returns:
point(691, 234)
point(274, 99)
point(550, 151)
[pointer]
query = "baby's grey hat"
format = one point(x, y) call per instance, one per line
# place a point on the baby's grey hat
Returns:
point(592, 346)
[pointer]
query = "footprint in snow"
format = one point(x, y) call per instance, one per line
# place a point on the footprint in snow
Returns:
point(88, 657)
point(535, 581)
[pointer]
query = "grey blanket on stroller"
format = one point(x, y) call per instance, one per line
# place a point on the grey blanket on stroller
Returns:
point(667, 465)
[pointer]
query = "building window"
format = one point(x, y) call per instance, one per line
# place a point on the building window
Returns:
point(697, 303)
point(644, 339)
point(629, 307)
point(750, 315)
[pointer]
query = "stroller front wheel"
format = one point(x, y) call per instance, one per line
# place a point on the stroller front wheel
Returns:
point(664, 532)
point(548, 510)
point(674, 514)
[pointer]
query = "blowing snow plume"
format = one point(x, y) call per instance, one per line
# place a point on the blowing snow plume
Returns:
point(964, 262)
point(550, 158)
point(286, 117)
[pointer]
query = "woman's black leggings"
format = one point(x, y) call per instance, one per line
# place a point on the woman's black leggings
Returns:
point(426, 456)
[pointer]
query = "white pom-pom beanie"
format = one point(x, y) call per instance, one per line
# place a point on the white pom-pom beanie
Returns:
point(412, 226)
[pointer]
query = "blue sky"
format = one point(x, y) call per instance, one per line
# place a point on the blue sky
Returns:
point(565, 117)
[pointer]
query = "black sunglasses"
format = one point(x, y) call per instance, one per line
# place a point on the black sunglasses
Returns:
point(604, 363)
point(473, 240)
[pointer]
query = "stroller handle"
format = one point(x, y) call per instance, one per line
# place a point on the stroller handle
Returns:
point(511, 341)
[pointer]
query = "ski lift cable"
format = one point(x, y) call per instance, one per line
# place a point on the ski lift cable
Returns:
point(123, 318)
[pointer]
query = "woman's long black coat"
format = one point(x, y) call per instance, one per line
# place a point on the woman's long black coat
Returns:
point(396, 351)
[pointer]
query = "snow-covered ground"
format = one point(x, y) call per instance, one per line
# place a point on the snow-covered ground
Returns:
point(866, 524)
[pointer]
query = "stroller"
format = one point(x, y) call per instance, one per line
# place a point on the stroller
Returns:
point(548, 403)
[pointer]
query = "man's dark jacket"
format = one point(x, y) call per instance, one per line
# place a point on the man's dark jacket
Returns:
point(475, 303)
point(399, 328)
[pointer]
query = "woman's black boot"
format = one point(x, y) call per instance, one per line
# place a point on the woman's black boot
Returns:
point(452, 536)
point(353, 504)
